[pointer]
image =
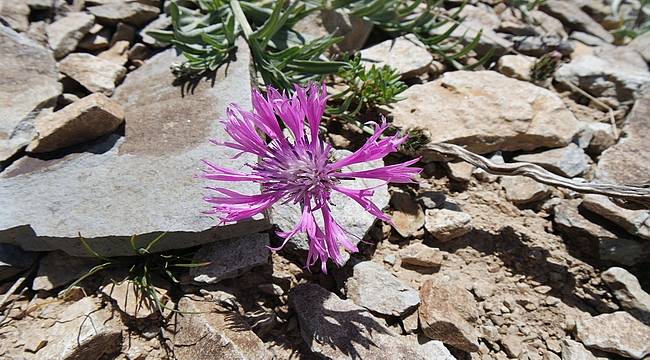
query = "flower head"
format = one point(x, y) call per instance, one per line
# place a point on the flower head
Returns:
point(295, 166)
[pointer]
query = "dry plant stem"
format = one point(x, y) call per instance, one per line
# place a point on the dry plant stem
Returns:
point(634, 194)
point(12, 290)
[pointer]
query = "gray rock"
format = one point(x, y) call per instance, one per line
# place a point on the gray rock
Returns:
point(516, 66)
point(89, 118)
point(477, 18)
point(574, 18)
point(405, 54)
point(596, 137)
point(40, 4)
point(524, 190)
point(431, 199)
point(132, 13)
point(408, 216)
point(628, 291)
point(450, 111)
point(641, 44)
point(338, 329)
point(445, 224)
point(15, 14)
point(98, 38)
point(142, 183)
point(588, 39)
point(568, 161)
point(161, 23)
point(573, 350)
point(379, 291)
point(421, 255)
point(354, 30)
point(538, 46)
point(628, 162)
point(138, 52)
point(547, 25)
point(618, 333)
point(635, 222)
point(594, 240)
point(29, 84)
point(606, 76)
point(207, 332)
point(13, 260)
point(460, 171)
point(123, 32)
point(447, 313)
point(57, 269)
point(83, 331)
point(347, 212)
point(94, 73)
point(64, 34)
point(249, 251)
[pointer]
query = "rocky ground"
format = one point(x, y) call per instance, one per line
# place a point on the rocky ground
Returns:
point(98, 140)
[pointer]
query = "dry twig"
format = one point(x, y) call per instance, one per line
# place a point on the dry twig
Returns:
point(637, 195)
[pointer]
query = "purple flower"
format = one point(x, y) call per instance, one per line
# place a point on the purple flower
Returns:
point(298, 168)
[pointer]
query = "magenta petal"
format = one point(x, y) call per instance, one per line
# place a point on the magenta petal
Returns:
point(398, 173)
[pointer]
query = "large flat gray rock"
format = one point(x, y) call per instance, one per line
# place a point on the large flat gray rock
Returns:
point(29, 84)
point(142, 183)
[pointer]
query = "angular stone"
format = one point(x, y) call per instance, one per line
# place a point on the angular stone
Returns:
point(447, 313)
point(538, 46)
point(606, 76)
point(473, 108)
point(405, 54)
point(15, 14)
point(445, 224)
point(98, 38)
point(13, 260)
point(635, 222)
point(516, 66)
point(347, 212)
point(83, 331)
point(628, 162)
point(40, 4)
point(573, 350)
point(573, 17)
point(354, 30)
point(95, 74)
point(432, 199)
point(477, 18)
point(596, 137)
point(86, 119)
point(64, 34)
point(523, 190)
point(123, 32)
point(641, 44)
point(568, 161)
point(421, 255)
point(57, 269)
point(132, 13)
point(408, 216)
point(29, 84)
point(230, 258)
point(167, 134)
point(460, 171)
point(338, 329)
point(594, 240)
point(628, 291)
point(161, 23)
point(547, 25)
point(138, 52)
point(205, 332)
point(130, 300)
point(118, 53)
point(379, 291)
point(618, 333)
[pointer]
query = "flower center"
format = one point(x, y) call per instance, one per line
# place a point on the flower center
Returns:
point(299, 171)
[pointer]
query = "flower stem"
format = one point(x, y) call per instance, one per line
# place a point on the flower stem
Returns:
point(241, 19)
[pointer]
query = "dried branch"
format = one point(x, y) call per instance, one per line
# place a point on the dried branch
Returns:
point(637, 195)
